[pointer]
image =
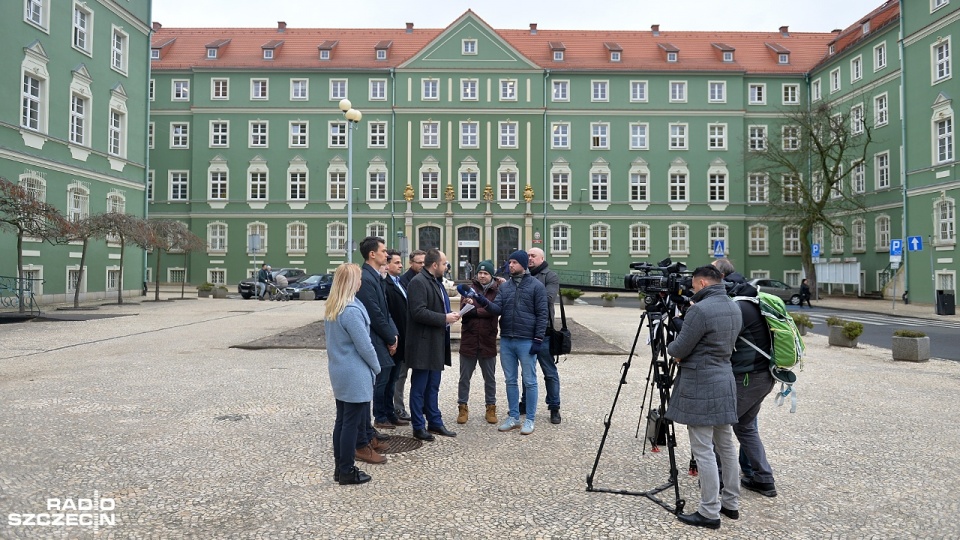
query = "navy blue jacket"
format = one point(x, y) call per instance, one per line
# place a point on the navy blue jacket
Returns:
point(383, 332)
point(523, 308)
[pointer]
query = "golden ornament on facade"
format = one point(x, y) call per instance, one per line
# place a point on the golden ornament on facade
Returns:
point(408, 193)
point(528, 193)
point(488, 193)
point(449, 193)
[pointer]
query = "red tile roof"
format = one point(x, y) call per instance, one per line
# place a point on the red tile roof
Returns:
point(887, 13)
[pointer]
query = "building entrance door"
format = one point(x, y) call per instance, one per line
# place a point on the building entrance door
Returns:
point(468, 252)
point(508, 241)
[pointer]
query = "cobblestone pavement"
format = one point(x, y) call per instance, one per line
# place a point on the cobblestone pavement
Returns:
point(192, 438)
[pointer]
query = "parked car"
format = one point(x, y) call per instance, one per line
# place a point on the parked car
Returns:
point(318, 283)
point(789, 295)
point(248, 288)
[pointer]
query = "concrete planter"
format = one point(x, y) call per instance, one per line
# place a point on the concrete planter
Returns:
point(910, 349)
point(608, 303)
point(802, 330)
point(837, 338)
point(203, 293)
point(219, 293)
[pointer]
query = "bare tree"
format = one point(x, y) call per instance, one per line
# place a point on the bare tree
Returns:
point(809, 166)
point(28, 216)
point(81, 230)
point(122, 227)
point(163, 235)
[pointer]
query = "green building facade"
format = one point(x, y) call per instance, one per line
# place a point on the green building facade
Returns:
point(73, 124)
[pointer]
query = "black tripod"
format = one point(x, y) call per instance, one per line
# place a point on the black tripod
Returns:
point(661, 374)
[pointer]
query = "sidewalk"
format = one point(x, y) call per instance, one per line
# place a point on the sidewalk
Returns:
point(193, 438)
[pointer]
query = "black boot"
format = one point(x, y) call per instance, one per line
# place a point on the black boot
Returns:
point(555, 416)
point(355, 476)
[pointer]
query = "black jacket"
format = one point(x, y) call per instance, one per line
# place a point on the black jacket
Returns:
point(746, 359)
point(383, 332)
point(523, 308)
point(397, 303)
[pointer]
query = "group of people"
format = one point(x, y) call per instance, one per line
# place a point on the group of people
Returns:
point(382, 324)
point(718, 392)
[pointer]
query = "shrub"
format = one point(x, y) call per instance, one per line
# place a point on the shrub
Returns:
point(571, 294)
point(852, 330)
point(835, 321)
point(609, 296)
point(909, 333)
point(206, 286)
point(223, 288)
point(802, 320)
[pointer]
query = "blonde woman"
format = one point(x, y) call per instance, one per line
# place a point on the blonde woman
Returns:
point(353, 366)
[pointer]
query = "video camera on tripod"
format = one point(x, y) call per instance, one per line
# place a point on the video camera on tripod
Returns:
point(665, 284)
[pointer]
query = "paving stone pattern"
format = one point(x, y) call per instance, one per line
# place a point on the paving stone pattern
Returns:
point(195, 439)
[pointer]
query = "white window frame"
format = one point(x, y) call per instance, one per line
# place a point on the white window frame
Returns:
point(298, 182)
point(258, 130)
point(469, 89)
point(880, 56)
point(718, 232)
point(791, 240)
point(835, 82)
point(856, 68)
point(182, 179)
point(599, 135)
point(78, 201)
point(297, 232)
point(258, 183)
point(214, 84)
point(470, 134)
point(945, 221)
point(508, 183)
point(430, 89)
point(377, 186)
point(336, 238)
point(881, 228)
point(639, 136)
point(79, 125)
point(151, 138)
point(339, 89)
point(944, 138)
point(677, 133)
point(563, 87)
point(716, 136)
point(858, 177)
point(858, 235)
point(639, 234)
point(816, 90)
point(468, 47)
point(117, 132)
point(180, 140)
point(757, 138)
point(429, 184)
point(678, 91)
point(180, 90)
point(858, 120)
point(378, 90)
point(219, 139)
point(217, 235)
point(718, 96)
point(790, 93)
point(430, 134)
point(377, 134)
point(759, 239)
point(299, 89)
point(218, 182)
point(881, 166)
point(560, 239)
point(881, 110)
point(718, 186)
point(119, 55)
point(337, 184)
point(82, 32)
point(599, 185)
point(599, 239)
point(679, 237)
point(560, 135)
point(37, 13)
point(469, 186)
point(337, 134)
point(560, 183)
point(509, 132)
point(259, 89)
point(639, 92)
point(299, 131)
point(678, 185)
point(600, 91)
point(639, 184)
point(758, 188)
point(508, 89)
point(757, 93)
point(942, 65)
point(790, 138)
point(937, 4)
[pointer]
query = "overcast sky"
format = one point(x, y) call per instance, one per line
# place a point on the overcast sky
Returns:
point(761, 15)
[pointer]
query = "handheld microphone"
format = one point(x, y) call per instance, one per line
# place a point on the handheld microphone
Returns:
point(465, 291)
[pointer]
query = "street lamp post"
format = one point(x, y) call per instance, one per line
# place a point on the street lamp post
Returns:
point(353, 117)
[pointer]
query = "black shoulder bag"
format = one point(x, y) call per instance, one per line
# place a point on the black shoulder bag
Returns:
point(561, 342)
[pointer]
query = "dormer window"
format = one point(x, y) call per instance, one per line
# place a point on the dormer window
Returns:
point(326, 49)
point(157, 47)
point(783, 58)
point(213, 48)
point(382, 47)
point(325, 55)
point(728, 56)
point(469, 46)
point(268, 54)
point(558, 56)
point(558, 48)
point(672, 57)
point(726, 51)
point(382, 54)
point(673, 53)
point(211, 53)
point(154, 54)
point(832, 49)
point(783, 54)
point(270, 48)
point(615, 56)
point(866, 27)
point(615, 51)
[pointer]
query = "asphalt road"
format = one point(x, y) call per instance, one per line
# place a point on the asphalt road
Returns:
point(877, 328)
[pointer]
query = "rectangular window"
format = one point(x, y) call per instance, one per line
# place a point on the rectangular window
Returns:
point(716, 136)
point(791, 240)
point(717, 92)
point(378, 90)
point(835, 80)
point(82, 29)
point(937, 4)
point(858, 178)
point(430, 186)
point(338, 134)
point(856, 69)
point(297, 186)
point(378, 134)
point(298, 134)
point(431, 89)
point(337, 186)
point(219, 134)
point(338, 89)
point(757, 188)
point(220, 89)
point(600, 242)
point(258, 89)
point(508, 89)
point(944, 212)
point(882, 226)
point(150, 185)
point(299, 89)
point(941, 60)
point(757, 138)
point(430, 134)
point(560, 135)
point(859, 232)
point(152, 90)
point(598, 136)
point(297, 237)
point(508, 134)
point(815, 91)
point(679, 239)
point(560, 186)
point(638, 136)
point(639, 187)
point(508, 186)
point(377, 186)
point(599, 187)
point(791, 138)
point(32, 106)
point(717, 188)
point(558, 56)
point(880, 110)
point(181, 90)
point(944, 131)
point(758, 94)
point(118, 51)
point(258, 134)
point(882, 167)
point(561, 90)
point(678, 187)
point(678, 136)
point(218, 185)
point(880, 57)
point(678, 91)
point(758, 240)
point(150, 139)
point(600, 91)
point(179, 135)
point(791, 94)
point(78, 119)
point(857, 122)
point(638, 91)
point(469, 46)
point(469, 186)
point(36, 13)
point(560, 239)
point(469, 134)
point(790, 189)
point(258, 186)
point(179, 185)
point(116, 134)
point(468, 89)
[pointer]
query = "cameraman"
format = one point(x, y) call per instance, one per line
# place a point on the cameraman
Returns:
point(754, 382)
point(705, 396)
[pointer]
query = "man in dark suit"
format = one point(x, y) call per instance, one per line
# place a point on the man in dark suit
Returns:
point(383, 331)
point(416, 264)
point(427, 347)
point(397, 302)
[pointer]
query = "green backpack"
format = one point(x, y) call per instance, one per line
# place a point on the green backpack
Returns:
point(786, 344)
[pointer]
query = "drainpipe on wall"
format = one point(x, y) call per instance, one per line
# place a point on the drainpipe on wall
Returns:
point(903, 151)
point(546, 138)
point(146, 142)
point(393, 151)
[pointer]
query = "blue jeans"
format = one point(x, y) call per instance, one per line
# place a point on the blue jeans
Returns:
point(424, 398)
point(514, 354)
point(551, 377)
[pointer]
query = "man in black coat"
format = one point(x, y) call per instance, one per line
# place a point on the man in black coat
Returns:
point(397, 302)
point(383, 332)
point(427, 348)
point(416, 265)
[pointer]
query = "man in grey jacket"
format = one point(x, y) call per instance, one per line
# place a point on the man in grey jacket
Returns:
point(705, 395)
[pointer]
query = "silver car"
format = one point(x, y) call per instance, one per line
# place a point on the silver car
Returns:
point(789, 295)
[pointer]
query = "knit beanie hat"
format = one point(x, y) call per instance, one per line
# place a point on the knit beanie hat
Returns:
point(485, 266)
point(521, 257)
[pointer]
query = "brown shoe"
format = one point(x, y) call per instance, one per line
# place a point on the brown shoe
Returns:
point(377, 444)
point(384, 425)
point(370, 455)
point(462, 416)
point(491, 414)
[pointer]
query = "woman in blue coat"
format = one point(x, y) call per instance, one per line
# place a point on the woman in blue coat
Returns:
point(353, 366)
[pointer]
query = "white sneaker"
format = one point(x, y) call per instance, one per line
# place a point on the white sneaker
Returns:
point(509, 423)
point(527, 427)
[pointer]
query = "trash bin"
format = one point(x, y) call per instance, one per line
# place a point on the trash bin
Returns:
point(946, 302)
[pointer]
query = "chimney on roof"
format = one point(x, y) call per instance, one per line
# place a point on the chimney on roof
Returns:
point(533, 29)
point(156, 26)
point(836, 31)
point(784, 31)
point(409, 27)
point(281, 27)
point(655, 28)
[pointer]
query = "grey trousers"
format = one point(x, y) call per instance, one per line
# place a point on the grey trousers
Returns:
point(749, 400)
point(399, 404)
point(488, 368)
point(702, 441)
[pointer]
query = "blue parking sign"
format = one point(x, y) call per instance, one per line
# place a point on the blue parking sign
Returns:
point(896, 247)
point(815, 250)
